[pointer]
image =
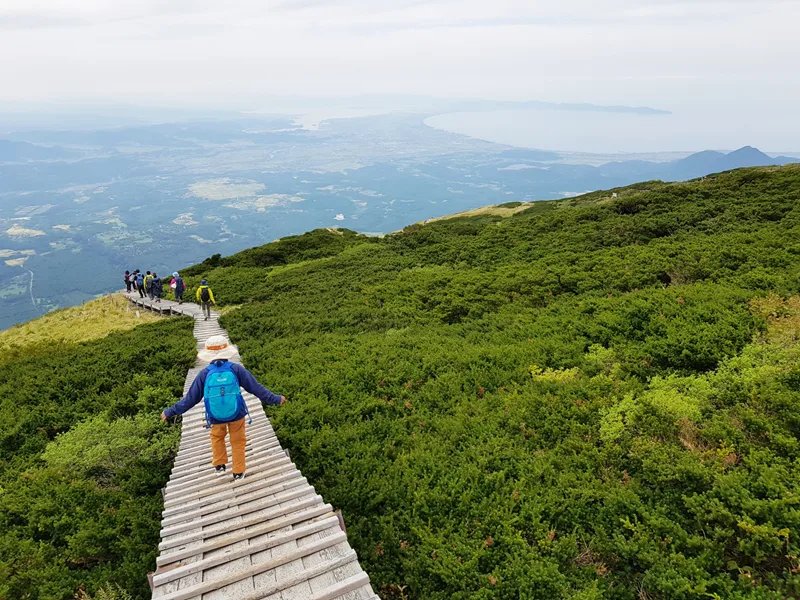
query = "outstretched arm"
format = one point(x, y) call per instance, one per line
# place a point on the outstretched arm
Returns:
point(249, 383)
point(194, 396)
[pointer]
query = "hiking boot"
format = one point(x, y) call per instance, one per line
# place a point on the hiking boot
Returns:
point(238, 476)
point(220, 469)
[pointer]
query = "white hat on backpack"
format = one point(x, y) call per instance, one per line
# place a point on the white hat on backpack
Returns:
point(217, 347)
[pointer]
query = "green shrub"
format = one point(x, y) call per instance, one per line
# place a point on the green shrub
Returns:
point(83, 460)
point(576, 401)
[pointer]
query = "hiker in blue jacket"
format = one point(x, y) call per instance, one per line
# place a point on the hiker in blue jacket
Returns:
point(218, 351)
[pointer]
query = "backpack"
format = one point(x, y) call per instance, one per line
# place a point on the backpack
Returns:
point(222, 395)
point(205, 296)
point(140, 280)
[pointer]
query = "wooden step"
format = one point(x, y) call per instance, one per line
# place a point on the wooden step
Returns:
point(268, 535)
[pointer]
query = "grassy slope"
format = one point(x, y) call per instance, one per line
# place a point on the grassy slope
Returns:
point(579, 400)
point(90, 321)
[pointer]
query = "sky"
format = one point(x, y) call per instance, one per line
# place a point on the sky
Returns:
point(736, 56)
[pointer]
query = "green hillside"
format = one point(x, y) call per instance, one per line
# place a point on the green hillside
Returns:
point(83, 454)
point(589, 398)
point(592, 398)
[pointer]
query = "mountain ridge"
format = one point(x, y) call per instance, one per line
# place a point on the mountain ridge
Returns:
point(707, 162)
point(20, 151)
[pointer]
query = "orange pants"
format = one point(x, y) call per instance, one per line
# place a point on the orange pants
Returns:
point(238, 439)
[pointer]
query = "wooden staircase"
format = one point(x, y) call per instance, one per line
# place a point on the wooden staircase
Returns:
point(268, 536)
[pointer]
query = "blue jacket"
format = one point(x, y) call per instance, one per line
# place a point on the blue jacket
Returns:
point(246, 380)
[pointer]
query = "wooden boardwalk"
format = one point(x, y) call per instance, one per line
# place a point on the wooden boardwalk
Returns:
point(269, 536)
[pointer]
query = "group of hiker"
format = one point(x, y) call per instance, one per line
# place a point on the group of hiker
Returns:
point(150, 285)
point(218, 385)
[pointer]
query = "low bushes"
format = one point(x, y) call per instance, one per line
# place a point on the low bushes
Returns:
point(83, 456)
point(579, 401)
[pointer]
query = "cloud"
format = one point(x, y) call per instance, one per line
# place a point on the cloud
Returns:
point(665, 53)
point(396, 13)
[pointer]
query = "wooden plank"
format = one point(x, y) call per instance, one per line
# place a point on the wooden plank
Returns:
point(301, 516)
point(196, 428)
point(197, 473)
point(331, 578)
point(305, 530)
point(200, 440)
point(267, 590)
point(226, 527)
point(202, 464)
point(343, 587)
point(288, 570)
point(197, 450)
point(256, 464)
point(262, 467)
point(235, 492)
point(209, 586)
point(237, 511)
point(239, 499)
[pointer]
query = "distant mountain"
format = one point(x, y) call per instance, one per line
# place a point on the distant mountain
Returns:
point(709, 161)
point(532, 175)
point(747, 156)
point(11, 151)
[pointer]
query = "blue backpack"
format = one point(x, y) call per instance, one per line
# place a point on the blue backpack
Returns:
point(222, 395)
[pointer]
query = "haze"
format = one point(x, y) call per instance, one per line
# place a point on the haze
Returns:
point(740, 54)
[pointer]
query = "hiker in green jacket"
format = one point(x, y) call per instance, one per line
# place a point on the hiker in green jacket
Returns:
point(206, 298)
